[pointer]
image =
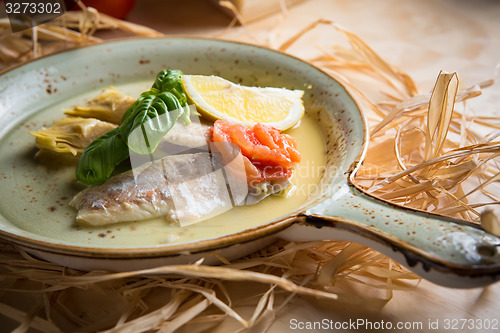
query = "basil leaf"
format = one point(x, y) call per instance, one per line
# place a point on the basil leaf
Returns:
point(168, 80)
point(153, 117)
point(101, 157)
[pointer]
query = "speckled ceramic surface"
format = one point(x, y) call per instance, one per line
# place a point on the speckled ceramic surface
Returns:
point(33, 206)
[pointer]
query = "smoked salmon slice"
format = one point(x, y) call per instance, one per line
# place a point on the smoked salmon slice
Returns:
point(271, 153)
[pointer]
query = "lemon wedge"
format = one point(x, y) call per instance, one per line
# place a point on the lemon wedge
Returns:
point(218, 98)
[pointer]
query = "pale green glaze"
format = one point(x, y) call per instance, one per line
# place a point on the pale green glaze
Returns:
point(36, 197)
point(444, 245)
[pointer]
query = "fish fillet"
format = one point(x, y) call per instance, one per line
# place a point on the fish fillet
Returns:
point(185, 189)
point(150, 192)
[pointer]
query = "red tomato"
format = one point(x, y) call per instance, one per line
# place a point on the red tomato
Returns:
point(116, 8)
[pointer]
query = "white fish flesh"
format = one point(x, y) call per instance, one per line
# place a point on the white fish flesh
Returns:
point(193, 135)
point(179, 188)
point(184, 189)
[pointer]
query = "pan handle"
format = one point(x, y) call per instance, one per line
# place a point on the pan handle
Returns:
point(446, 251)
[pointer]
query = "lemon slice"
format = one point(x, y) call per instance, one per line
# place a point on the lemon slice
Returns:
point(217, 98)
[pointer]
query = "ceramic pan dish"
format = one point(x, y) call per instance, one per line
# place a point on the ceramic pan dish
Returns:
point(444, 250)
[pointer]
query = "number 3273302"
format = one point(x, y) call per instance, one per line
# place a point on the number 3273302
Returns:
point(33, 8)
point(471, 324)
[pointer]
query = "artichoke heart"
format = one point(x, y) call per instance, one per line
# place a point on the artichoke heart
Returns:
point(109, 105)
point(71, 135)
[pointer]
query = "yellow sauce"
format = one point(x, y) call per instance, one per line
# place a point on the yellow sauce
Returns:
point(37, 194)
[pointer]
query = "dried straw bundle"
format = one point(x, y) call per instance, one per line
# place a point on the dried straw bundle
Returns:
point(169, 297)
point(197, 297)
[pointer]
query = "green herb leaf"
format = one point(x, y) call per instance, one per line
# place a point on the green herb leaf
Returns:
point(168, 80)
point(101, 157)
point(153, 117)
